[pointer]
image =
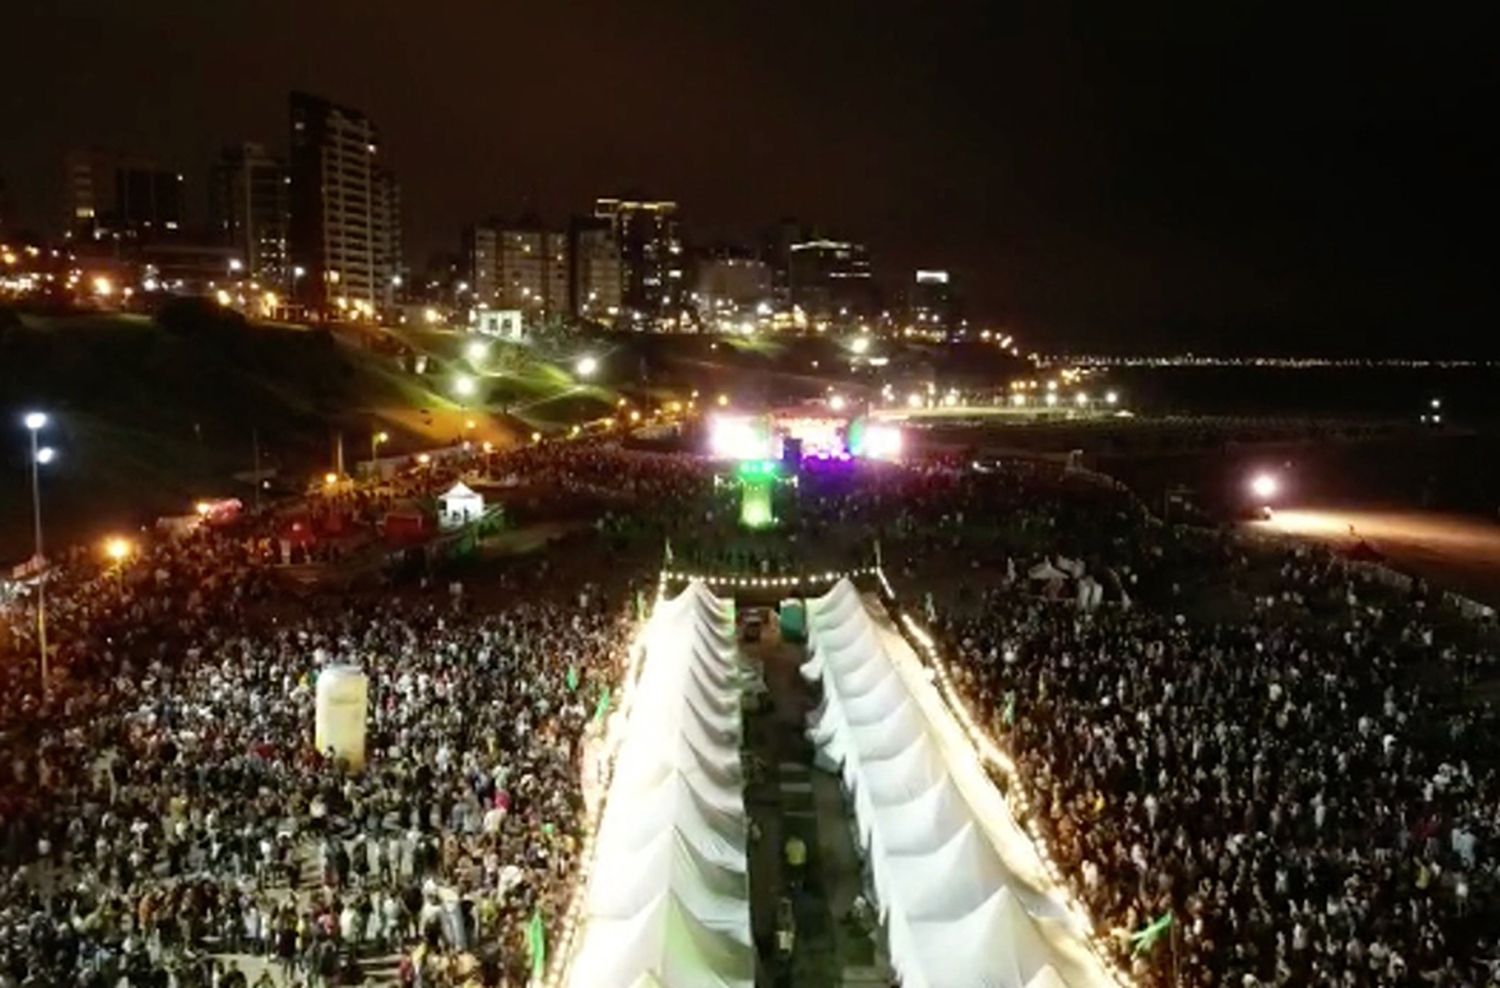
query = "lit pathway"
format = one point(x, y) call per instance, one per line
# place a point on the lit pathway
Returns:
point(788, 796)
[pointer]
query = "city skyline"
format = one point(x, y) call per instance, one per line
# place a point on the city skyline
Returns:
point(1218, 185)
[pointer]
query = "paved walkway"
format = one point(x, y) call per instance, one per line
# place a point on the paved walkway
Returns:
point(787, 796)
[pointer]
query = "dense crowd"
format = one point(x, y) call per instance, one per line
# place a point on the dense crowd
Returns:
point(166, 819)
point(1302, 787)
point(1300, 782)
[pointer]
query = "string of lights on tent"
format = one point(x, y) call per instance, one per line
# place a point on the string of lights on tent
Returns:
point(668, 899)
point(963, 894)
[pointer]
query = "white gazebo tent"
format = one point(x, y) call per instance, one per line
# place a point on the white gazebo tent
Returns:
point(459, 506)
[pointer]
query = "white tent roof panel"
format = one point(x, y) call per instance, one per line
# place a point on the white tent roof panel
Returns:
point(668, 900)
point(965, 898)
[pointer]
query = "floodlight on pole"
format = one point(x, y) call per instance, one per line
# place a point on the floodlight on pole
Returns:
point(1264, 486)
point(376, 439)
point(40, 456)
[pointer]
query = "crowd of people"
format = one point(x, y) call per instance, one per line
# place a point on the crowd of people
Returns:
point(165, 818)
point(1303, 784)
point(1303, 787)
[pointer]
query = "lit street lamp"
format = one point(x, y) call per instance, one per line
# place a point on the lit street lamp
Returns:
point(40, 455)
point(586, 366)
point(117, 550)
point(376, 439)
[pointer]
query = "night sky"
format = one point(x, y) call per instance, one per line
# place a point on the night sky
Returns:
point(1228, 180)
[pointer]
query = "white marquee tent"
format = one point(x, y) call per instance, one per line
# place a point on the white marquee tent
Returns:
point(459, 506)
point(668, 902)
point(964, 896)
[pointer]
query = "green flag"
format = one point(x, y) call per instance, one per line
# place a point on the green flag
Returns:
point(602, 707)
point(536, 944)
point(1145, 938)
point(572, 678)
point(1008, 715)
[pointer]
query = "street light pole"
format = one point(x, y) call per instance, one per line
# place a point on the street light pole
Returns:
point(376, 438)
point(34, 423)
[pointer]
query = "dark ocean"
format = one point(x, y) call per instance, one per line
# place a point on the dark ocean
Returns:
point(1469, 395)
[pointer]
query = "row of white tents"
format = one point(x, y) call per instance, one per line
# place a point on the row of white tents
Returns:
point(668, 901)
point(965, 900)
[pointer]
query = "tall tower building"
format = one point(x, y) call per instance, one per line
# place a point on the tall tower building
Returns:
point(249, 200)
point(597, 271)
point(520, 265)
point(831, 278)
point(651, 262)
point(932, 301)
point(481, 262)
point(345, 232)
point(118, 197)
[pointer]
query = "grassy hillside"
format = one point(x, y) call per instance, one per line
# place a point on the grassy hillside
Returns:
point(147, 419)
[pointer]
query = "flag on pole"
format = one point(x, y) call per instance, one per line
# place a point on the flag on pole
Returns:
point(602, 707)
point(536, 945)
point(572, 678)
point(1008, 715)
point(640, 606)
point(669, 552)
point(1145, 938)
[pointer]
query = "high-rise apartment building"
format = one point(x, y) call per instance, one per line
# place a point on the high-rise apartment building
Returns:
point(597, 272)
point(111, 196)
point(727, 280)
point(650, 241)
point(520, 265)
point(932, 300)
point(831, 278)
point(249, 202)
point(481, 263)
point(345, 231)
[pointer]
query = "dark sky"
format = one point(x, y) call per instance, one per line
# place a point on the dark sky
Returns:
point(1225, 178)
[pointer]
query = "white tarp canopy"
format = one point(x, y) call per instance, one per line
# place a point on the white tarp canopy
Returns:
point(965, 898)
point(1044, 570)
point(459, 506)
point(668, 902)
